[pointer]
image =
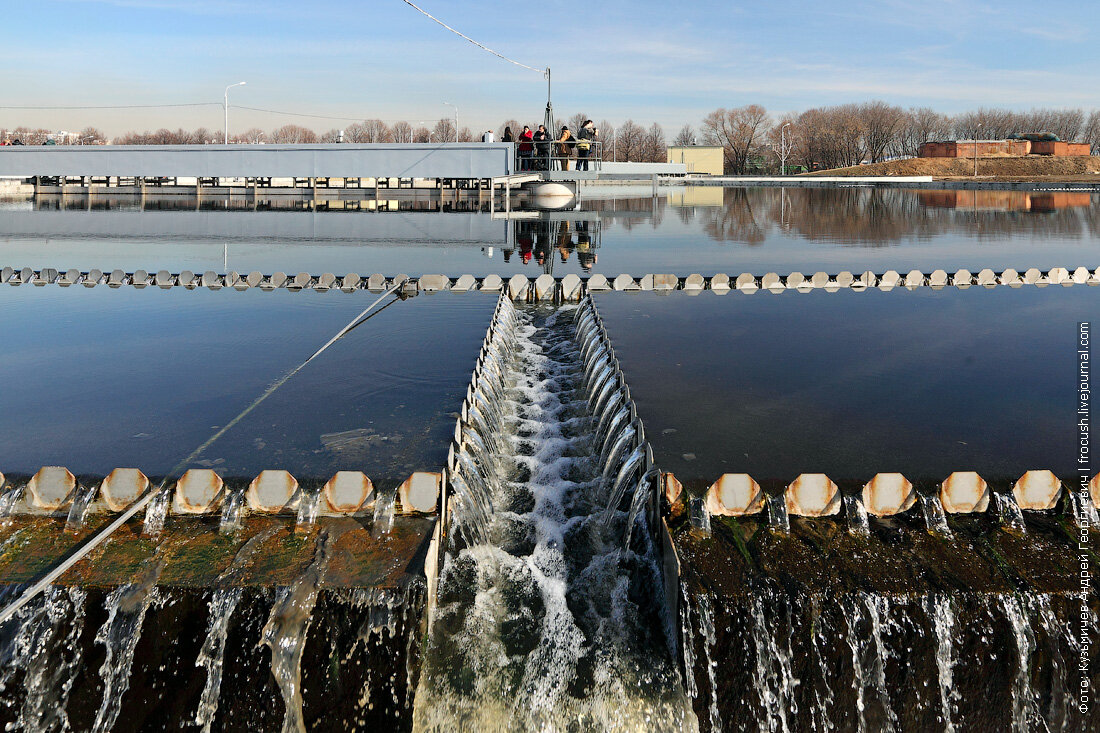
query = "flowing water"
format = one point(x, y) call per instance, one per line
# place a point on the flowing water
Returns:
point(126, 608)
point(286, 631)
point(554, 623)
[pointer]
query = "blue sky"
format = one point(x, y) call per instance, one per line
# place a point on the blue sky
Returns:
point(651, 61)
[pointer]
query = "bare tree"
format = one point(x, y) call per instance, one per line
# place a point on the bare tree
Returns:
point(686, 136)
point(254, 135)
point(608, 147)
point(293, 134)
point(466, 135)
point(444, 131)
point(737, 131)
point(331, 136)
point(421, 135)
point(1091, 132)
point(402, 132)
point(629, 138)
point(88, 136)
point(576, 122)
point(881, 124)
point(653, 146)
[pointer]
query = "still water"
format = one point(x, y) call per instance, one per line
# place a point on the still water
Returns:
point(616, 229)
point(95, 379)
point(848, 383)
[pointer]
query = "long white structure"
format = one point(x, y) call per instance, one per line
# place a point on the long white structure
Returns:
point(449, 160)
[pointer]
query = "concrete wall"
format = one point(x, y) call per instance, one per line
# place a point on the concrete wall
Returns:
point(450, 160)
point(1050, 147)
point(966, 148)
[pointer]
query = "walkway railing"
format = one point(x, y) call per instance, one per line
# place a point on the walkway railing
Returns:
point(552, 155)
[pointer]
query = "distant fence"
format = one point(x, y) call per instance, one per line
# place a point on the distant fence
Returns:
point(448, 160)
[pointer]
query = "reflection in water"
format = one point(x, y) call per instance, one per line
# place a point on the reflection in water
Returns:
point(540, 239)
point(874, 216)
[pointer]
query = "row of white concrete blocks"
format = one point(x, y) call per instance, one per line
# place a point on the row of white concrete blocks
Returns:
point(887, 494)
point(201, 491)
point(547, 287)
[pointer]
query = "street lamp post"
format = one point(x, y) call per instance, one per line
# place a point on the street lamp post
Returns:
point(238, 84)
point(456, 118)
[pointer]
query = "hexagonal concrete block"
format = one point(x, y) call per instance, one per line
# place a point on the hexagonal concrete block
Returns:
point(720, 283)
point(694, 283)
point(198, 491)
point(845, 279)
point(277, 280)
point(254, 278)
point(938, 279)
point(464, 283)
point(350, 282)
point(50, 489)
point(301, 281)
point(819, 279)
point(795, 281)
point(987, 278)
point(376, 283)
point(914, 279)
point(670, 486)
point(867, 279)
point(572, 287)
point(734, 495)
point(1010, 278)
point(545, 286)
point(813, 495)
point(517, 287)
point(346, 492)
point(212, 280)
point(1081, 275)
point(962, 279)
point(122, 487)
point(1038, 490)
point(746, 283)
point(889, 280)
point(624, 282)
point(771, 281)
point(72, 277)
point(492, 284)
point(1032, 276)
point(420, 492)
point(887, 494)
point(1059, 276)
point(964, 492)
point(1094, 489)
point(433, 283)
point(598, 283)
point(272, 492)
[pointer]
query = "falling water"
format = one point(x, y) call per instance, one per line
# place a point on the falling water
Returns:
point(308, 507)
point(287, 628)
point(775, 680)
point(549, 624)
point(53, 663)
point(700, 517)
point(942, 618)
point(935, 521)
point(126, 607)
point(1025, 714)
point(8, 498)
point(212, 655)
point(223, 602)
point(778, 521)
point(1062, 699)
point(856, 515)
point(1083, 509)
point(1009, 512)
point(156, 513)
point(82, 497)
point(384, 513)
point(878, 607)
point(232, 512)
point(706, 626)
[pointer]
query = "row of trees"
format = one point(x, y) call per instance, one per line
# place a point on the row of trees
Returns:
point(850, 134)
point(821, 137)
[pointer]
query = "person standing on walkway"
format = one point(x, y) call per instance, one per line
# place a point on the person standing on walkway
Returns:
point(542, 149)
point(508, 136)
point(526, 148)
point(586, 136)
point(489, 137)
point(566, 143)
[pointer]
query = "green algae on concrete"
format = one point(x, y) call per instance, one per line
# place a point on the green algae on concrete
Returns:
point(197, 555)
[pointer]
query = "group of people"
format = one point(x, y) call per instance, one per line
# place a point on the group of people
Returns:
point(537, 240)
point(538, 150)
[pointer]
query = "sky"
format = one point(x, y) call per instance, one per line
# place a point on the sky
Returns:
point(650, 61)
